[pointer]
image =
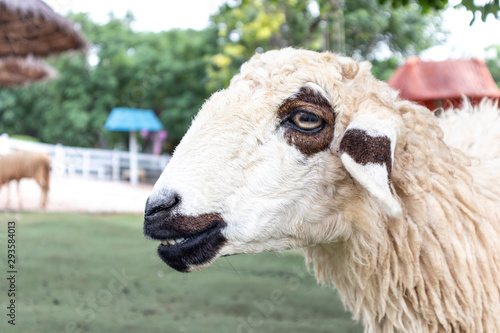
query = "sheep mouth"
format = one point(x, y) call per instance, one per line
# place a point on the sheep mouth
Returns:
point(187, 249)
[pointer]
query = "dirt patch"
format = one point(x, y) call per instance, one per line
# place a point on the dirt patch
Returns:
point(71, 194)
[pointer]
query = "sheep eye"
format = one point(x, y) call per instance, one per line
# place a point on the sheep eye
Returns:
point(306, 121)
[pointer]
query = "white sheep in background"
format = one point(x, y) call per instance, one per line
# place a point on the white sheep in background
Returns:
point(308, 150)
point(24, 164)
point(481, 124)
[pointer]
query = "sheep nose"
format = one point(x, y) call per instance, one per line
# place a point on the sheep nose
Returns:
point(167, 202)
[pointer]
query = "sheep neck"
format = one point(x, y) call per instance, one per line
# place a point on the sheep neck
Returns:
point(412, 280)
point(435, 269)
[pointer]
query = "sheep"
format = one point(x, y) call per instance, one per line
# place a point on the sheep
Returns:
point(25, 164)
point(309, 151)
point(482, 124)
point(141, 173)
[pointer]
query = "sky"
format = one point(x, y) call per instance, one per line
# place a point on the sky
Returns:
point(150, 15)
point(156, 15)
point(466, 41)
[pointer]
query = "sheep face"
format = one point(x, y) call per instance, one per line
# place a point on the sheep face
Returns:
point(264, 167)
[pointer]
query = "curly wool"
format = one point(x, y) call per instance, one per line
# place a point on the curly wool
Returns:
point(437, 268)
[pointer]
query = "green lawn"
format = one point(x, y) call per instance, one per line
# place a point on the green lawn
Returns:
point(97, 273)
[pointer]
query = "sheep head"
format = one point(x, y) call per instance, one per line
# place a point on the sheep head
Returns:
point(296, 152)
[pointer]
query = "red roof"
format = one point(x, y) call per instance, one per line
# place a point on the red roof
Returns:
point(435, 80)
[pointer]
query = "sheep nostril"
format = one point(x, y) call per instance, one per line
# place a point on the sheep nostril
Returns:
point(168, 204)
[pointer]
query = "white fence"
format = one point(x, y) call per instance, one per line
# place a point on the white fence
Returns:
point(99, 164)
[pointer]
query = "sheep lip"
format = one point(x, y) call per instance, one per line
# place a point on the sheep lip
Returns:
point(197, 249)
point(185, 239)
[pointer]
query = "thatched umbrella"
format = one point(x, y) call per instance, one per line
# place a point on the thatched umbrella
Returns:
point(18, 71)
point(32, 27)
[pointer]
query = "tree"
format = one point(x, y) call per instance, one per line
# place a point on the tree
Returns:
point(494, 63)
point(361, 28)
point(490, 7)
point(163, 71)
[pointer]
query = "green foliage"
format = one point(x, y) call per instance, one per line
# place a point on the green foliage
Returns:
point(363, 28)
point(482, 7)
point(491, 7)
point(383, 69)
point(427, 5)
point(494, 63)
point(173, 72)
point(25, 138)
point(97, 273)
point(163, 71)
point(372, 30)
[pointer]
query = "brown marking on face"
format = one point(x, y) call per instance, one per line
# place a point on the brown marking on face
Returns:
point(365, 149)
point(193, 224)
point(179, 225)
point(311, 101)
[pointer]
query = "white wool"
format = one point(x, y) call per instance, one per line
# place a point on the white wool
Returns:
point(473, 129)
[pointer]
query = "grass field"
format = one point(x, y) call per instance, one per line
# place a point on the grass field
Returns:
point(97, 273)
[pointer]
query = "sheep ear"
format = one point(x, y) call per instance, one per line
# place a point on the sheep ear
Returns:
point(367, 152)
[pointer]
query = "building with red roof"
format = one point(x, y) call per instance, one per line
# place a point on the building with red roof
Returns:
point(443, 83)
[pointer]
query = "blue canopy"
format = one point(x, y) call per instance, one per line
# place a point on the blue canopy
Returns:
point(125, 120)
